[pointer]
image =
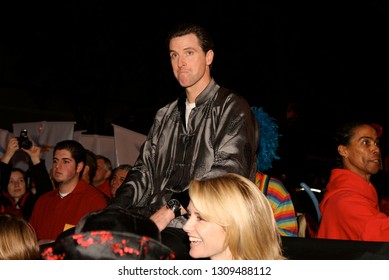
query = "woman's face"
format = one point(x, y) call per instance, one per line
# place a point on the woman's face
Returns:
point(117, 179)
point(206, 238)
point(16, 185)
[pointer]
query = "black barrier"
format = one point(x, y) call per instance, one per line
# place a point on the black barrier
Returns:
point(297, 248)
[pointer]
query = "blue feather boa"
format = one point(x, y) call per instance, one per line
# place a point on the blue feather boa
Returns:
point(268, 143)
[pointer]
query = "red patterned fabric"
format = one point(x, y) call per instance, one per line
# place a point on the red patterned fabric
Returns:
point(107, 245)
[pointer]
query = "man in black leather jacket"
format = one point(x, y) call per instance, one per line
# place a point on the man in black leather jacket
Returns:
point(206, 132)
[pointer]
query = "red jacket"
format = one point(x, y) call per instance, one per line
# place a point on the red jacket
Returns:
point(350, 210)
point(52, 214)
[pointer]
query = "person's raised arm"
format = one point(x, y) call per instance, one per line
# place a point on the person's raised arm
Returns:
point(38, 171)
point(5, 166)
point(12, 147)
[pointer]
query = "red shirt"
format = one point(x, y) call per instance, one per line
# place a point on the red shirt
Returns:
point(52, 213)
point(105, 188)
point(350, 209)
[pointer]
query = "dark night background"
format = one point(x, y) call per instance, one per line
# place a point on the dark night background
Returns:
point(101, 62)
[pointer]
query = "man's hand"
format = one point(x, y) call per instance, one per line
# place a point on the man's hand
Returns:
point(34, 153)
point(12, 147)
point(162, 217)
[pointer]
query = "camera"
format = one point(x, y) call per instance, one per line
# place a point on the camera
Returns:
point(24, 141)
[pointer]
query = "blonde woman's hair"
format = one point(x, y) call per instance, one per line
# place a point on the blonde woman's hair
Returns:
point(236, 204)
point(18, 240)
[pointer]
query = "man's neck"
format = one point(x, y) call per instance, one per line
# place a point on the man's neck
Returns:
point(98, 183)
point(69, 186)
point(195, 90)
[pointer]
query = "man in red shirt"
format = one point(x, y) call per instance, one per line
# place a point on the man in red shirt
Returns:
point(103, 174)
point(350, 207)
point(62, 208)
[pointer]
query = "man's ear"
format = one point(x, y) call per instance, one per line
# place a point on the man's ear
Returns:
point(342, 150)
point(209, 57)
point(108, 174)
point(80, 165)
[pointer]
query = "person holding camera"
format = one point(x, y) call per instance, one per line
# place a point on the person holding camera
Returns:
point(16, 196)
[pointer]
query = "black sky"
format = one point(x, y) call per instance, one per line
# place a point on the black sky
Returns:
point(102, 62)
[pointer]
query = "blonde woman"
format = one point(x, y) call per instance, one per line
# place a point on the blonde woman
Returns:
point(17, 239)
point(230, 218)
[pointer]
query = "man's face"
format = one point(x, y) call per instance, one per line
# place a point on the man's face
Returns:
point(362, 155)
point(64, 166)
point(190, 63)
